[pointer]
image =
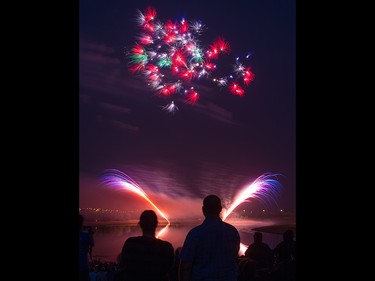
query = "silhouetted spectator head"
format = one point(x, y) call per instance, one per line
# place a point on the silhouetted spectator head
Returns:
point(80, 218)
point(148, 221)
point(211, 206)
point(288, 235)
point(258, 237)
point(89, 229)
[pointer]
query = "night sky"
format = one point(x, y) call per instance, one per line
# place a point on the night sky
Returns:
point(215, 146)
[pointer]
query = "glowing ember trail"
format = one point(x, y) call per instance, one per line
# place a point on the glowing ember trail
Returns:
point(118, 178)
point(265, 186)
point(170, 57)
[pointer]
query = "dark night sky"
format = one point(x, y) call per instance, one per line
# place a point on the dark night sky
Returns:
point(215, 146)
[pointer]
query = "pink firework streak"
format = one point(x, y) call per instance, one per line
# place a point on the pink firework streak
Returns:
point(264, 187)
point(170, 57)
point(118, 178)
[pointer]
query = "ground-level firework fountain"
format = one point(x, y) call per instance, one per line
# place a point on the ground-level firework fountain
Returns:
point(266, 188)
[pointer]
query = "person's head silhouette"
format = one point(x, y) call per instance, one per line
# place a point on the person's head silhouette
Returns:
point(211, 206)
point(288, 235)
point(258, 237)
point(148, 221)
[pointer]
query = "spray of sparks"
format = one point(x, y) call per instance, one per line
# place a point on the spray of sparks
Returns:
point(171, 107)
point(170, 57)
point(265, 188)
point(119, 179)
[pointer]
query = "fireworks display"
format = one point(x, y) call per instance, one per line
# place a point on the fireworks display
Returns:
point(117, 178)
point(265, 188)
point(170, 58)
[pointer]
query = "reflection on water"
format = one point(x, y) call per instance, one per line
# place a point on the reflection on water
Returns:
point(109, 239)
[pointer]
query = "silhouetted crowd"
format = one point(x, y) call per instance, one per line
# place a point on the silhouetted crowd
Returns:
point(209, 253)
point(260, 262)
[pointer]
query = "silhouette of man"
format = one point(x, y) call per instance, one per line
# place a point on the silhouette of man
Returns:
point(85, 243)
point(147, 258)
point(285, 251)
point(91, 233)
point(210, 250)
point(285, 255)
point(260, 252)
